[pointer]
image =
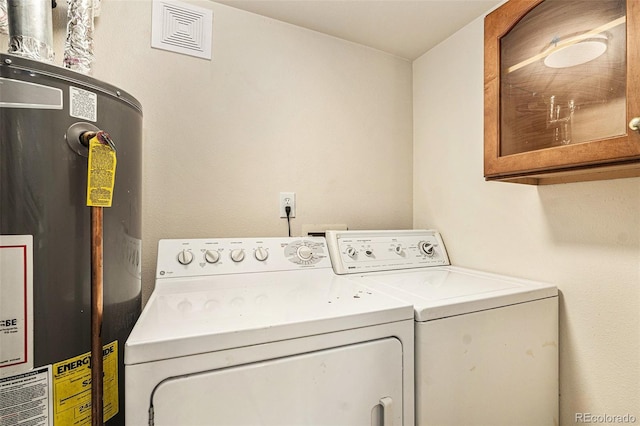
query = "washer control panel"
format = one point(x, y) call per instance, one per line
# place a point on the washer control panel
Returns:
point(369, 251)
point(217, 256)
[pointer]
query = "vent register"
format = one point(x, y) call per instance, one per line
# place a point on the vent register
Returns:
point(181, 28)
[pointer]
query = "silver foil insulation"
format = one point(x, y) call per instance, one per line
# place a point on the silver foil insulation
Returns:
point(78, 49)
point(30, 28)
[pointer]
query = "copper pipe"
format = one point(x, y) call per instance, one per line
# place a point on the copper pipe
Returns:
point(85, 137)
point(96, 316)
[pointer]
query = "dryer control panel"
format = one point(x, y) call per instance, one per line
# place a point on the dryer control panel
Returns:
point(370, 251)
point(217, 256)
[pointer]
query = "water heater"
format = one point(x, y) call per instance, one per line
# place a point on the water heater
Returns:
point(45, 233)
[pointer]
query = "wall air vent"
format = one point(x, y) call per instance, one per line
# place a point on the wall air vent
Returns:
point(182, 28)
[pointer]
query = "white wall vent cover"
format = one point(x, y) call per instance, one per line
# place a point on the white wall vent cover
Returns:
point(182, 28)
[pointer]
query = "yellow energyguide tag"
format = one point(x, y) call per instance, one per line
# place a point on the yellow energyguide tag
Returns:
point(101, 173)
point(72, 388)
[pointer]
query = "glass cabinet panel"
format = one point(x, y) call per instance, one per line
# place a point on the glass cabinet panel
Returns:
point(561, 91)
point(563, 69)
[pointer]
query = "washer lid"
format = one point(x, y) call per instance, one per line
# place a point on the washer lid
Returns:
point(447, 291)
point(204, 314)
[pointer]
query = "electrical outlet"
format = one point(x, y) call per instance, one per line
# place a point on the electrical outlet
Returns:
point(287, 199)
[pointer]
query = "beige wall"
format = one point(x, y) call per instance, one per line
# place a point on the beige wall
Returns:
point(585, 237)
point(279, 108)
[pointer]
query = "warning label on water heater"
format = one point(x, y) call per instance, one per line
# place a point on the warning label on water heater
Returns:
point(26, 398)
point(16, 304)
point(72, 387)
point(83, 104)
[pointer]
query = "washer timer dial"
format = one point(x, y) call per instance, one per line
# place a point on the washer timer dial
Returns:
point(427, 248)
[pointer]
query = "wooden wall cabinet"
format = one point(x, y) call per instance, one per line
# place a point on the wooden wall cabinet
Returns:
point(561, 86)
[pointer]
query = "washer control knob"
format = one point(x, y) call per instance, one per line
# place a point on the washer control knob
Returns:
point(237, 255)
point(351, 252)
point(211, 256)
point(398, 250)
point(304, 253)
point(261, 254)
point(185, 257)
point(368, 253)
point(426, 248)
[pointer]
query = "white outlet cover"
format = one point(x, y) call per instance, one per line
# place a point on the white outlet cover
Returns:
point(182, 28)
point(283, 197)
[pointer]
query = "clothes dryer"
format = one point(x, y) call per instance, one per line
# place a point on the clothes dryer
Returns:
point(260, 331)
point(486, 344)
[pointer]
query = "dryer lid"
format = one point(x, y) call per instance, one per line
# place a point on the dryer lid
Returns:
point(198, 315)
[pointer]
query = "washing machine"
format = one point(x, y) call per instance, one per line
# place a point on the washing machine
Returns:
point(486, 345)
point(260, 331)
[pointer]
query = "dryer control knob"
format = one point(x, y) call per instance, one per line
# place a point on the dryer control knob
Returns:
point(304, 253)
point(237, 255)
point(351, 252)
point(399, 250)
point(261, 254)
point(427, 248)
point(211, 256)
point(185, 257)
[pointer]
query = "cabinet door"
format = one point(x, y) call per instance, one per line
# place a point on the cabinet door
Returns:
point(342, 386)
point(560, 90)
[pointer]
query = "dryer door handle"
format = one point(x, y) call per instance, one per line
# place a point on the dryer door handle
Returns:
point(387, 411)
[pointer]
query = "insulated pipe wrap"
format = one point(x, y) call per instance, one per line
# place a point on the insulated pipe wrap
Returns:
point(78, 50)
point(31, 29)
